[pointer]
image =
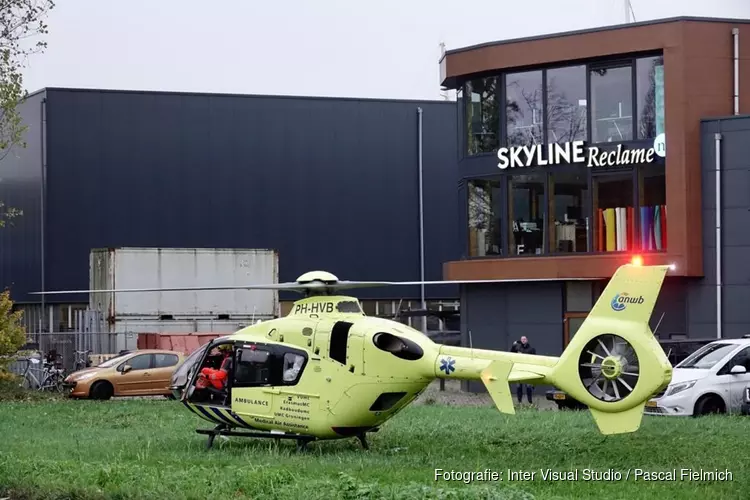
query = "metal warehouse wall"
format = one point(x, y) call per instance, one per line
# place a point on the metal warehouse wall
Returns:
point(330, 183)
point(21, 188)
point(493, 316)
point(735, 224)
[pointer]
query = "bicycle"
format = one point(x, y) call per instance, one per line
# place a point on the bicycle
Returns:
point(82, 360)
point(51, 378)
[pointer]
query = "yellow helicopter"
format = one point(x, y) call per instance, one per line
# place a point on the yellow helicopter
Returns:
point(328, 371)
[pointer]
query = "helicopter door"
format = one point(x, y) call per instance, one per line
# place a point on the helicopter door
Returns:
point(344, 346)
point(252, 384)
point(355, 353)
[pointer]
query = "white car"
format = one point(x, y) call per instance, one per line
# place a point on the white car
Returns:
point(711, 380)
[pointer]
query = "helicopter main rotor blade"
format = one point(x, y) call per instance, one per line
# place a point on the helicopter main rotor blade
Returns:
point(364, 284)
point(278, 286)
point(301, 287)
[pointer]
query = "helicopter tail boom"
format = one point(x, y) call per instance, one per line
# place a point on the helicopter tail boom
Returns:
point(496, 369)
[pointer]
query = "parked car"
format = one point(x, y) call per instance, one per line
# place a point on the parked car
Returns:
point(676, 351)
point(146, 372)
point(713, 379)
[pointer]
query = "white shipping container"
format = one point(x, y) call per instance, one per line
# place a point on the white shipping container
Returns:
point(123, 268)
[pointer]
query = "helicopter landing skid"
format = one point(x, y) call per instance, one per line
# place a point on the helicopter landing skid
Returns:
point(224, 430)
point(302, 441)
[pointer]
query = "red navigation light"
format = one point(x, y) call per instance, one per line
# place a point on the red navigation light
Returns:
point(637, 260)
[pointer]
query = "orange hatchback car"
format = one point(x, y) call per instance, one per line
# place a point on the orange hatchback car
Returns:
point(146, 372)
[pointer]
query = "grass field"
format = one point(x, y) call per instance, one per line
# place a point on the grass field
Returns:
point(149, 449)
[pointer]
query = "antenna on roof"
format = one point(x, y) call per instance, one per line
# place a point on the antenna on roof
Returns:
point(443, 90)
point(629, 11)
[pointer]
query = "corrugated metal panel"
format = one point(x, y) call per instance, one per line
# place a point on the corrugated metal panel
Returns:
point(329, 183)
point(126, 268)
point(21, 188)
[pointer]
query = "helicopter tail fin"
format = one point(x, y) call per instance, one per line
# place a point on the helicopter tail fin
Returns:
point(495, 378)
point(614, 364)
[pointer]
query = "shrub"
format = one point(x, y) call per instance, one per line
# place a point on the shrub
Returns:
point(12, 333)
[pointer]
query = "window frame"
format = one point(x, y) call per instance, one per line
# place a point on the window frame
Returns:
point(636, 109)
point(276, 354)
point(464, 129)
point(544, 174)
point(131, 358)
point(238, 347)
point(587, 92)
point(633, 172)
point(287, 351)
point(618, 60)
point(502, 99)
point(730, 363)
point(504, 180)
point(629, 62)
point(170, 356)
point(503, 214)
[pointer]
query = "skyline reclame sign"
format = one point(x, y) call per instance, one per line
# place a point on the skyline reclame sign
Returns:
point(576, 152)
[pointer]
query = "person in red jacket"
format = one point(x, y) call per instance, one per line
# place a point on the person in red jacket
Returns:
point(217, 378)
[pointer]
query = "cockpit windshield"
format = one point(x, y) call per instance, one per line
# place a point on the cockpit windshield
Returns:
point(182, 374)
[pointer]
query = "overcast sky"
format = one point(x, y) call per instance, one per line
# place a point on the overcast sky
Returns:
point(348, 48)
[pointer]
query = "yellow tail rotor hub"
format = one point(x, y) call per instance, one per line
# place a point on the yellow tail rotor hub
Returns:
point(612, 367)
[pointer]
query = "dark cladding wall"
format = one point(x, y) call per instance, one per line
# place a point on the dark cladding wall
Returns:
point(330, 183)
point(493, 316)
point(735, 224)
point(21, 188)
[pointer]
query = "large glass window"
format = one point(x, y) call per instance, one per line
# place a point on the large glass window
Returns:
point(524, 119)
point(482, 115)
point(566, 104)
point(569, 222)
point(650, 94)
point(652, 200)
point(484, 217)
point(526, 214)
point(614, 212)
point(611, 104)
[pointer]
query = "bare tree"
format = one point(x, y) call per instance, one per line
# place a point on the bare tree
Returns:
point(480, 205)
point(20, 22)
point(565, 119)
point(522, 129)
point(482, 117)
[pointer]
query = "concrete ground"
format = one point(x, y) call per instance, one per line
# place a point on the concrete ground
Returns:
point(453, 395)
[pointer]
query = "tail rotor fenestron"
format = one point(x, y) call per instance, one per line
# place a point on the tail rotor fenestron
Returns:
point(608, 367)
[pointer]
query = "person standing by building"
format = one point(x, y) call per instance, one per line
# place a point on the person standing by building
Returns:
point(522, 346)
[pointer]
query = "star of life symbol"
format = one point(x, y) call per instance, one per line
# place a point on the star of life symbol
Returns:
point(447, 365)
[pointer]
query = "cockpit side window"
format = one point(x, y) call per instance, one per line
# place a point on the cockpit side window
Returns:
point(293, 366)
point(253, 367)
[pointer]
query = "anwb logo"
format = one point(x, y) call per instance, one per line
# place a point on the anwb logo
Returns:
point(621, 301)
